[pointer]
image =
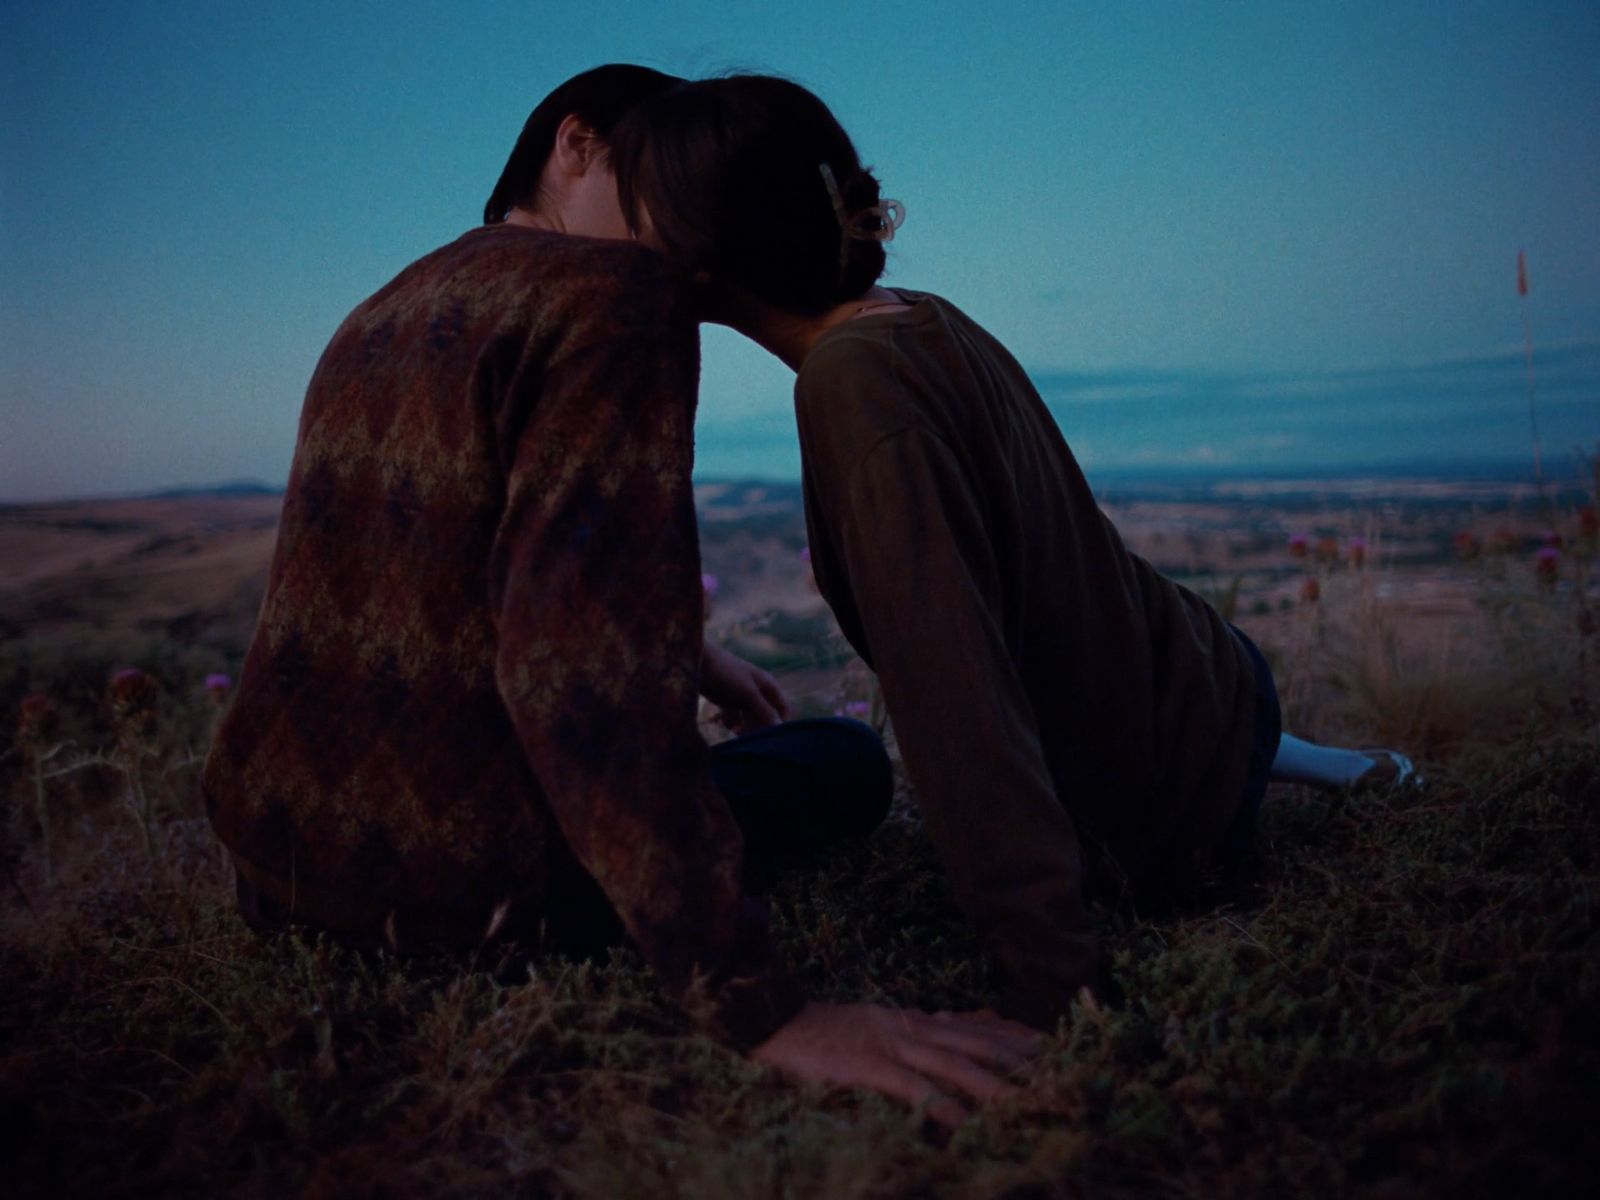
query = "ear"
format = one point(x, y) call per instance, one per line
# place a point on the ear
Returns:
point(577, 146)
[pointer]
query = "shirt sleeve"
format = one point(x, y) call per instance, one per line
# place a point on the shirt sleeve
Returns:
point(925, 594)
point(595, 583)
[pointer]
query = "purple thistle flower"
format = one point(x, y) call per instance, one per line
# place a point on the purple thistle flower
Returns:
point(710, 585)
point(218, 683)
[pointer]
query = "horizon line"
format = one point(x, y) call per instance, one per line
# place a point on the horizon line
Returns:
point(1481, 469)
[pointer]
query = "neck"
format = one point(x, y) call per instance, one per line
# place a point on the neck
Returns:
point(532, 219)
point(791, 336)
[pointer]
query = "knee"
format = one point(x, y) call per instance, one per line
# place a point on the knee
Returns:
point(858, 780)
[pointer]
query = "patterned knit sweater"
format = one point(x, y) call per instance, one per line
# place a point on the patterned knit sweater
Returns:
point(478, 654)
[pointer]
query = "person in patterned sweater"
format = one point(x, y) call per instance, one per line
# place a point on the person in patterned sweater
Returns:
point(469, 710)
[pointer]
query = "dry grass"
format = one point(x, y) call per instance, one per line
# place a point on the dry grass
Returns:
point(1406, 1003)
point(1361, 666)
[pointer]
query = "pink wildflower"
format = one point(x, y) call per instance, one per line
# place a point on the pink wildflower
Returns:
point(218, 686)
point(857, 709)
point(1327, 549)
point(710, 585)
point(1298, 543)
point(805, 555)
point(1357, 546)
point(1466, 545)
point(1547, 565)
point(1310, 589)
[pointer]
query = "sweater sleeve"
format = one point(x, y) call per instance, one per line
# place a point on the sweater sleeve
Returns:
point(595, 583)
point(926, 594)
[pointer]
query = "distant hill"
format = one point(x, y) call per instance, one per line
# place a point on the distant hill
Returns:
point(236, 488)
point(187, 564)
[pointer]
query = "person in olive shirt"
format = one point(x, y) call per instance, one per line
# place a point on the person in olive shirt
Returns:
point(1071, 719)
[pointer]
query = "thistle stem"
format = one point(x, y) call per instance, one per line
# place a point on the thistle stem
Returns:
point(140, 805)
point(43, 812)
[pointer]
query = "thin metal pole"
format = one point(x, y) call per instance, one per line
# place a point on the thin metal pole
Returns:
point(1527, 346)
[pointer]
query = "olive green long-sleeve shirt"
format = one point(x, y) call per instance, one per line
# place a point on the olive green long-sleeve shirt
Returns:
point(1058, 703)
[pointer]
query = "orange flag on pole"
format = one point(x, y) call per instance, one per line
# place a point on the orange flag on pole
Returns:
point(1522, 274)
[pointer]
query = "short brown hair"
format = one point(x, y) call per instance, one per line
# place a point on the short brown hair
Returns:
point(599, 97)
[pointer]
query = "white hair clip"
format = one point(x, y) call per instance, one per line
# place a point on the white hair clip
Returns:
point(875, 223)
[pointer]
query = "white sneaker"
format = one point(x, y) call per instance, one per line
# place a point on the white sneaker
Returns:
point(1390, 769)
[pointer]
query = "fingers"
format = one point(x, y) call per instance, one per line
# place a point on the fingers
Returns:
point(954, 1070)
point(1024, 1038)
point(981, 1045)
point(761, 712)
point(921, 1059)
point(750, 697)
point(906, 1085)
point(774, 695)
point(746, 718)
point(755, 704)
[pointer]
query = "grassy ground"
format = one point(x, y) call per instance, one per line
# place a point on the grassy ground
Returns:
point(1406, 1002)
point(1410, 1002)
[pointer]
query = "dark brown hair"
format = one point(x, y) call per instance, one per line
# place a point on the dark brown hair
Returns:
point(599, 97)
point(730, 172)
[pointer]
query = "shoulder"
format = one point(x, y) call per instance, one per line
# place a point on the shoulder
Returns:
point(572, 269)
point(851, 364)
point(590, 285)
point(882, 370)
point(850, 396)
point(516, 248)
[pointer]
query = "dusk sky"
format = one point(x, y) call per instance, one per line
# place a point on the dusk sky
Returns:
point(192, 196)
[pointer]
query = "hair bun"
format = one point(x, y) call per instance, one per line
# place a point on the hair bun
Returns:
point(862, 215)
point(751, 179)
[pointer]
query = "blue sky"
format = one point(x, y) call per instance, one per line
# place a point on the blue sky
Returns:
point(193, 195)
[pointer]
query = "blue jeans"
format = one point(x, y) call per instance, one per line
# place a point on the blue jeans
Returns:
point(794, 790)
point(1263, 750)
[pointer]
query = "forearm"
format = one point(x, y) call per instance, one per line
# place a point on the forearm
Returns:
point(596, 587)
point(929, 597)
point(1011, 848)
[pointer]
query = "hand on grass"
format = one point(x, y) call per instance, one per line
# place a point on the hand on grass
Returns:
point(918, 1057)
point(748, 697)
